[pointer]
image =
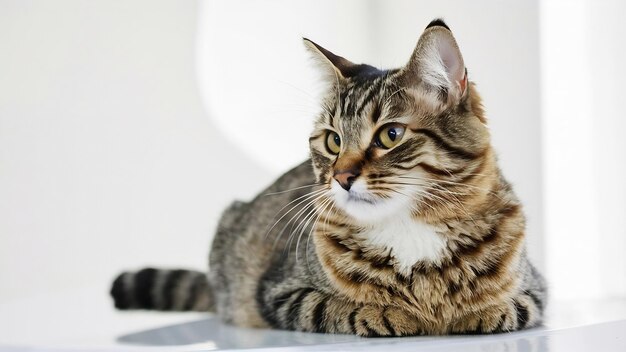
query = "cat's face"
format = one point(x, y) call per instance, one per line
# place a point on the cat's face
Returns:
point(399, 141)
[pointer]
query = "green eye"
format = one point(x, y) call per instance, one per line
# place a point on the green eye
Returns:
point(390, 135)
point(333, 142)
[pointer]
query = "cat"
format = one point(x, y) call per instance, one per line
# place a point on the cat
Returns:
point(399, 224)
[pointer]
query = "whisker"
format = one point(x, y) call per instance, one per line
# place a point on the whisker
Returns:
point(302, 225)
point(294, 221)
point(452, 183)
point(308, 240)
point(311, 203)
point(437, 199)
point(322, 206)
point(294, 189)
point(412, 205)
point(306, 197)
point(458, 201)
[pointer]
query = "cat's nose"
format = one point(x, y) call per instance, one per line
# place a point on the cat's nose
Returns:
point(346, 177)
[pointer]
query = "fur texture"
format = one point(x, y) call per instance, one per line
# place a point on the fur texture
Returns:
point(409, 229)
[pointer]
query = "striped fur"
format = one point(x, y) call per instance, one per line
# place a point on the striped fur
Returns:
point(167, 290)
point(428, 237)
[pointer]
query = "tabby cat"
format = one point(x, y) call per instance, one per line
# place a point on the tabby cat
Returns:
point(401, 222)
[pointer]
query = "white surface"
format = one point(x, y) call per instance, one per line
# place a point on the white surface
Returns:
point(84, 319)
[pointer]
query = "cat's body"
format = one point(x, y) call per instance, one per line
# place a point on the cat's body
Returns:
point(400, 224)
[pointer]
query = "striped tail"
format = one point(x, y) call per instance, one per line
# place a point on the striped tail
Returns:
point(158, 289)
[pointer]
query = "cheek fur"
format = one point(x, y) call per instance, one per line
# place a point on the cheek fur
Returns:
point(322, 166)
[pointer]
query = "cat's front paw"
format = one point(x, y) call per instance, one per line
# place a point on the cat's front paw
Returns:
point(373, 321)
point(520, 313)
point(491, 321)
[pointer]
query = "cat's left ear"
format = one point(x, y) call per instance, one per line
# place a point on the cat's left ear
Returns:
point(437, 63)
point(333, 66)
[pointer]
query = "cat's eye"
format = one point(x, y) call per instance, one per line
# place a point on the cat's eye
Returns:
point(389, 135)
point(333, 142)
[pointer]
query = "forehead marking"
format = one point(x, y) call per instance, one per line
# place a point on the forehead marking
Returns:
point(374, 89)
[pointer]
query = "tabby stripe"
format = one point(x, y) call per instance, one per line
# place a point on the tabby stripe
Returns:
point(328, 225)
point(119, 291)
point(312, 138)
point(370, 331)
point(378, 262)
point(501, 323)
point(294, 307)
point(477, 170)
point(338, 245)
point(407, 280)
point(335, 111)
point(410, 167)
point(382, 174)
point(144, 279)
point(318, 315)
point(453, 288)
point(433, 170)
point(388, 326)
point(509, 211)
point(535, 299)
point(475, 331)
point(172, 279)
point(455, 151)
point(280, 300)
point(376, 112)
point(370, 95)
point(344, 97)
point(334, 223)
point(474, 248)
point(357, 276)
point(406, 151)
point(522, 315)
point(405, 159)
point(492, 266)
point(195, 291)
point(375, 262)
point(352, 319)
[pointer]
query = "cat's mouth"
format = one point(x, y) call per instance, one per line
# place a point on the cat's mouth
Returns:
point(359, 197)
point(357, 194)
point(362, 205)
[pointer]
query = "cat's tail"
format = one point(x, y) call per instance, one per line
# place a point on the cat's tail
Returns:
point(160, 289)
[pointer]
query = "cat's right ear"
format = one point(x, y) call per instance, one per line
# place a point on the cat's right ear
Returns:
point(334, 67)
point(437, 63)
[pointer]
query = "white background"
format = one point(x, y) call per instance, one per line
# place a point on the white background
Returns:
point(125, 127)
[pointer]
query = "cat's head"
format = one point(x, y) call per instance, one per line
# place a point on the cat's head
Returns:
point(401, 140)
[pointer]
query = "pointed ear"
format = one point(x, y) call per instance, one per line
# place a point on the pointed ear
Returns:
point(333, 66)
point(437, 63)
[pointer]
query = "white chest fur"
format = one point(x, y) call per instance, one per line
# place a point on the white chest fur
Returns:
point(410, 241)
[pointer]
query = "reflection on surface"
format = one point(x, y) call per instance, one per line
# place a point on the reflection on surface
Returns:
point(224, 336)
point(214, 335)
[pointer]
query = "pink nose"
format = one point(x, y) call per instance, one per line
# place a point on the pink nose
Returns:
point(346, 178)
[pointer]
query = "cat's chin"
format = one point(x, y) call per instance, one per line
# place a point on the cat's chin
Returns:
point(364, 207)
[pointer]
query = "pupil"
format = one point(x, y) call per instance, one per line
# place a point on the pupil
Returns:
point(392, 134)
point(336, 139)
